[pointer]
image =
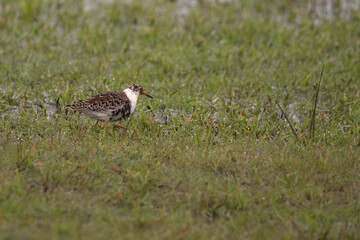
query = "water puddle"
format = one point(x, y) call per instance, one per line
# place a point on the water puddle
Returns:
point(183, 8)
point(13, 105)
point(94, 5)
point(320, 10)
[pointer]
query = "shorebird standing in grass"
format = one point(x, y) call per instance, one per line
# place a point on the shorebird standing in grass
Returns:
point(110, 106)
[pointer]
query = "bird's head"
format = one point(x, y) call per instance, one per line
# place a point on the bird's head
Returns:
point(138, 90)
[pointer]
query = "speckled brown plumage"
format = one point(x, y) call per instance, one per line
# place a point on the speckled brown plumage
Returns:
point(110, 106)
point(116, 105)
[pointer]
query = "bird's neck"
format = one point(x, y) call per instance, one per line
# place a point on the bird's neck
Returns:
point(133, 97)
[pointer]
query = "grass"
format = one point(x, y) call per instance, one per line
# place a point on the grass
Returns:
point(211, 157)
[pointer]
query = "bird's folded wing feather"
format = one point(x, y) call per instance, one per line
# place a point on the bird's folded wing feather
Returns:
point(105, 101)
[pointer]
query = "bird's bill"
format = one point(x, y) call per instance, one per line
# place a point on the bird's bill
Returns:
point(146, 95)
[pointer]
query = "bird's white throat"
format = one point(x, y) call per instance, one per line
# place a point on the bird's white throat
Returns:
point(133, 97)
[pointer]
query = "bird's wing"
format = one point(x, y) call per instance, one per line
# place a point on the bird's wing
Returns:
point(102, 102)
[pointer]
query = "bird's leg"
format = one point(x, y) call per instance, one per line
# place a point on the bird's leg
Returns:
point(119, 126)
point(103, 125)
point(96, 124)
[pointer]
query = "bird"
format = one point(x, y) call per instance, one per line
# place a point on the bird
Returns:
point(110, 106)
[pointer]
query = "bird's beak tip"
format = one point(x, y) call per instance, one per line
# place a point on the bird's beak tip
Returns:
point(147, 95)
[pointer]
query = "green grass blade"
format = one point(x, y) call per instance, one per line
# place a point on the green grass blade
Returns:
point(312, 123)
point(287, 119)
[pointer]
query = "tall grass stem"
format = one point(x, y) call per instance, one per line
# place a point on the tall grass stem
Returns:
point(312, 123)
point(287, 119)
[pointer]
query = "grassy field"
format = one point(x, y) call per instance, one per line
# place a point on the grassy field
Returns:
point(212, 156)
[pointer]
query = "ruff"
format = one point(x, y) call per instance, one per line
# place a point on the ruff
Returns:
point(110, 106)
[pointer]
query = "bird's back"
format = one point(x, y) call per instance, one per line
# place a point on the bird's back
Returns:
point(105, 106)
point(102, 102)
